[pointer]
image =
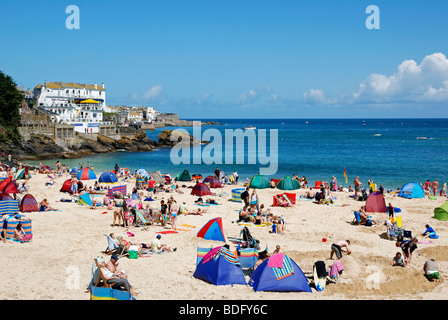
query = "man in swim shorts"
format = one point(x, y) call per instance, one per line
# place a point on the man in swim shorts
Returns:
point(336, 248)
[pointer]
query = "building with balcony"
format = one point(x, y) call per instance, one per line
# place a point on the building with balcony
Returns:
point(77, 104)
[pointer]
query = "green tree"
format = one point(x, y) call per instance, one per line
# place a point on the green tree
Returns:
point(10, 102)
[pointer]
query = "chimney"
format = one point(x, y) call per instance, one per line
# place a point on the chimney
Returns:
point(96, 87)
point(103, 85)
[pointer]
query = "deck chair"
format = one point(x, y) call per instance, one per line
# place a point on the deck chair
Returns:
point(393, 230)
point(96, 279)
point(122, 251)
point(141, 218)
point(112, 246)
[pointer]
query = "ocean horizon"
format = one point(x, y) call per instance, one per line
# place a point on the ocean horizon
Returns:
point(388, 150)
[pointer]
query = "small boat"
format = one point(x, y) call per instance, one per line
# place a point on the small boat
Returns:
point(250, 128)
point(422, 138)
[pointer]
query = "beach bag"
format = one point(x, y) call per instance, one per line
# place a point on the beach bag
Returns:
point(133, 254)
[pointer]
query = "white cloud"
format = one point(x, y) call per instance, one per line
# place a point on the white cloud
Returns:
point(411, 83)
point(253, 95)
point(205, 97)
point(153, 92)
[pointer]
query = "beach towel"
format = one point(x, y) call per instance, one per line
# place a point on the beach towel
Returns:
point(276, 261)
point(286, 269)
point(210, 254)
point(336, 269)
point(231, 257)
point(167, 232)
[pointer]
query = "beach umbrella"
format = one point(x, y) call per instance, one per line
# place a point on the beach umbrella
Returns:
point(86, 174)
point(108, 177)
point(89, 101)
point(212, 230)
point(212, 182)
point(259, 182)
point(47, 168)
point(201, 189)
point(4, 167)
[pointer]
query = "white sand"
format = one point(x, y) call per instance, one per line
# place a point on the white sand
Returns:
point(57, 263)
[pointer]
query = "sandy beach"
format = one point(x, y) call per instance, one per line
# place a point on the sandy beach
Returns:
point(56, 264)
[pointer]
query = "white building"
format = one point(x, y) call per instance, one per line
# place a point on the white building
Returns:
point(73, 103)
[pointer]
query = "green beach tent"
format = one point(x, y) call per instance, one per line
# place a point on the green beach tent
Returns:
point(441, 213)
point(288, 183)
point(259, 182)
point(184, 175)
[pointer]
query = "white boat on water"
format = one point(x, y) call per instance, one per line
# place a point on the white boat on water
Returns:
point(250, 128)
point(422, 138)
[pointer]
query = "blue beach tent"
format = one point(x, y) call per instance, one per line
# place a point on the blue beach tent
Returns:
point(108, 177)
point(411, 190)
point(85, 199)
point(271, 277)
point(220, 267)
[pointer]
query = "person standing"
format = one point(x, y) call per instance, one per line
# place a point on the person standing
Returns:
point(357, 184)
point(435, 187)
point(245, 197)
point(217, 173)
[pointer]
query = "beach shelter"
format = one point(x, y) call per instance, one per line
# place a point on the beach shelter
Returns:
point(142, 172)
point(4, 183)
point(86, 174)
point(74, 172)
point(201, 189)
point(220, 266)
point(45, 169)
point(376, 203)
point(184, 175)
point(121, 189)
point(259, 182)
point(108, 177)
point(411, 190)
point(288, 183)
point(9, 207)
point(67, 186)
point(5, 196)
point(85, 199)
point(248, 257)
point(212, 182)
point(11, 187)
point(279, 273)
point(20, 174)
point(157, 176)
point(212, 230)
point(28, 204)
point(441, 213)
point(105, 293)
point(286, 197)
point(236, 194)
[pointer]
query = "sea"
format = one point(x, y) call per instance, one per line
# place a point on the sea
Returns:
point(391, 152)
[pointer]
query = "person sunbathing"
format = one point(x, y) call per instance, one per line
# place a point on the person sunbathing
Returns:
point(45, 206)
point(111, 278)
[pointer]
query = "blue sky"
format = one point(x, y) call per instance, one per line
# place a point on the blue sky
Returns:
point(230, 59)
